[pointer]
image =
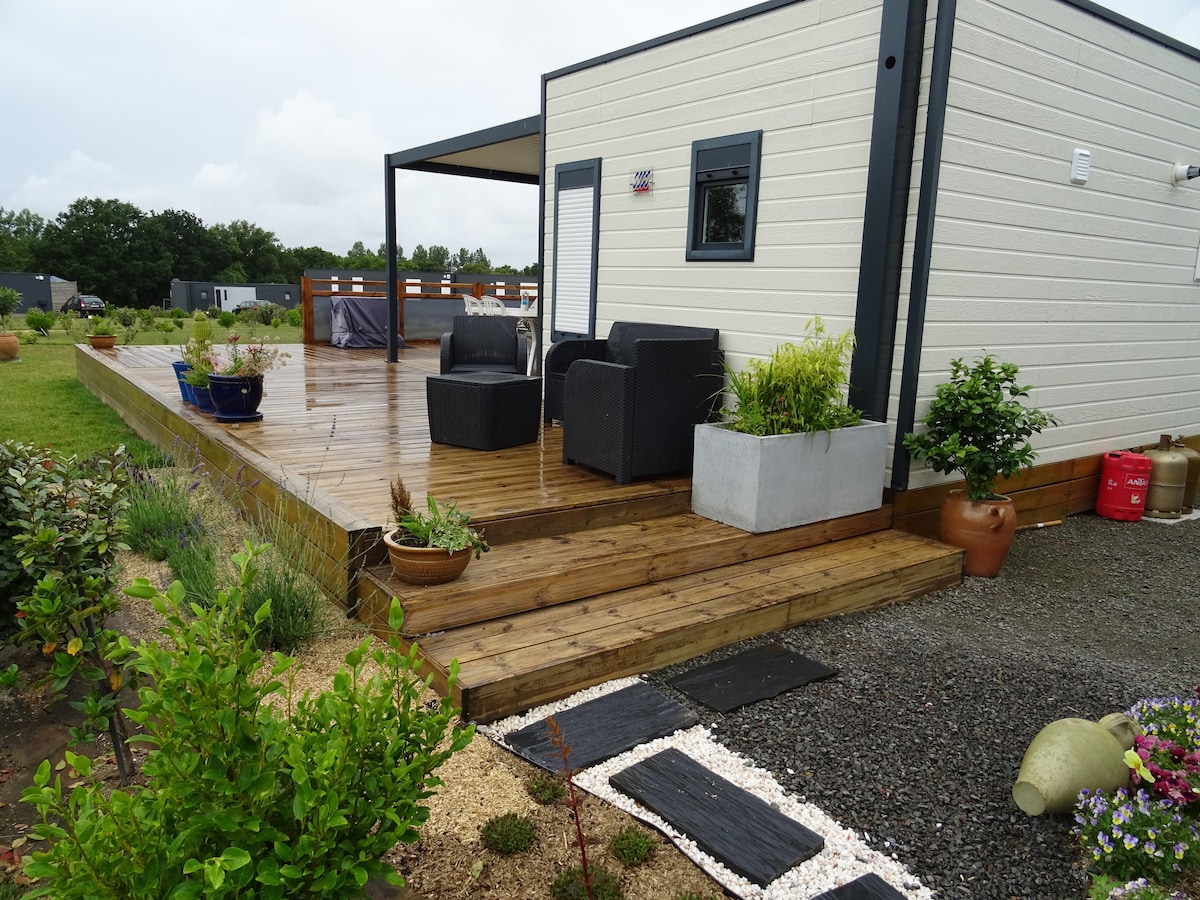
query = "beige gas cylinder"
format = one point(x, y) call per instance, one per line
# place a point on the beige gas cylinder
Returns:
point(1193, 475)
point(1168, 478)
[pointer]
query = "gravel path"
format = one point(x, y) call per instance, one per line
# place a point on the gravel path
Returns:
point(917, 741)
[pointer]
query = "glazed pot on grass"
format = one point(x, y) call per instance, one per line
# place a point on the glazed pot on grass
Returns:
point(430, 547)
point(976, 427)
point(10, 347)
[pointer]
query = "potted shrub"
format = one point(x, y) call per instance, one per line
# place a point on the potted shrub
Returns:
point(431, 546)
point(791, 450)
point(977, 427)
point(235, 383)
point(10, 347)
point(102, 334)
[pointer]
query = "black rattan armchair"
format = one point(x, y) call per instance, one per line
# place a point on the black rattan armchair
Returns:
point(484, 344)
point(638, 417)
point(616, 349)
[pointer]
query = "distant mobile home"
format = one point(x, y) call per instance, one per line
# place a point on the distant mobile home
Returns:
point(947, 179)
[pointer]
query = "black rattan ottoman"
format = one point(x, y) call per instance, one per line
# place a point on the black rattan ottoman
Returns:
point(483, 410)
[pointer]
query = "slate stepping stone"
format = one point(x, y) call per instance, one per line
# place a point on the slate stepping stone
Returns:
point(602, 728)
point(865, 887)
point(731, 825)
point(744, 678)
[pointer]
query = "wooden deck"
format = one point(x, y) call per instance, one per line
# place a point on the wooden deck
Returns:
point(588, 580)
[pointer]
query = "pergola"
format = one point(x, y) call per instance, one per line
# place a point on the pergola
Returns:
point(510, 152)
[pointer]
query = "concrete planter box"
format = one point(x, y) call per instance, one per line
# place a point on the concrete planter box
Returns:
point(762, 484)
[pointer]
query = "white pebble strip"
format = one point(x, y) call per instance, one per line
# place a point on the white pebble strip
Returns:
point(844, 858)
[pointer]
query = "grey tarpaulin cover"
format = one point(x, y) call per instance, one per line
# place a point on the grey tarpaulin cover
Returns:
point(357, 321)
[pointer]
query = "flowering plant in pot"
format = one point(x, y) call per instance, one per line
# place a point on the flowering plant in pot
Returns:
point(791, 449)
point(236, 381)
point(250, 361)
point(978, 427)
point(431, 546)
point(9, 345)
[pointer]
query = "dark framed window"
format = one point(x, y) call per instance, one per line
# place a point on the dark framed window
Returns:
point(724, 197)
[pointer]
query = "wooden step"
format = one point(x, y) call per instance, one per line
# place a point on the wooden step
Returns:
point(515, 662)
point(547, 571)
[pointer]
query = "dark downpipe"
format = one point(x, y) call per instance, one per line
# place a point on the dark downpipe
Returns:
point(918, 295)
point(893, 135)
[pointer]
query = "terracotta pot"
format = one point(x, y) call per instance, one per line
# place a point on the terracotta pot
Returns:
point(102, 341)
point(425, 565)
point(10, 347)
point(984, 528)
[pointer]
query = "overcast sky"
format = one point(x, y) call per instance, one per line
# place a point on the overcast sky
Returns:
point(281, 112)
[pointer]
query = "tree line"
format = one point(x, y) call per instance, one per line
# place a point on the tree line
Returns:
point(129, 257)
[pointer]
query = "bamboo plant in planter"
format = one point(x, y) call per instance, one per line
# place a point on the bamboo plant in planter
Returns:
point(791, 450)
point(976, 426)
point(430, 547)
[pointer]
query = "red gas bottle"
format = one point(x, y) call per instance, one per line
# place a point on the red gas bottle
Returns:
point(1124, 481)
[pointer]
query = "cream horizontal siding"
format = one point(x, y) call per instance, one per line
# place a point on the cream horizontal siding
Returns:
point(804, 75)
point(1088, 288)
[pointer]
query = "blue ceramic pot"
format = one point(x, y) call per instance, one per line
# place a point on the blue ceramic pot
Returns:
point(236, 397)
point(185, 390)
point(202, 400)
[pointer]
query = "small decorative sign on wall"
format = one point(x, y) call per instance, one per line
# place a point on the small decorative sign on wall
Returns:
point(642, 181)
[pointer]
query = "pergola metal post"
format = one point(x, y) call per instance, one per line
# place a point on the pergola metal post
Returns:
point(389, 195)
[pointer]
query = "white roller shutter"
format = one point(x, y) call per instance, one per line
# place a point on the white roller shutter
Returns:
point(575, 245)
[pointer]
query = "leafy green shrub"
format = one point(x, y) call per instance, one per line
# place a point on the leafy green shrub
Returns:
point(569, 885)
point(977, 426)
point(158, 514)
point(294, 317)
point(226, 319)
point(508, 834)
point(632, 846)
point(124, 315)
point(178, 313)
point(27, 337)
point(37, 320)
point(545, 788)
point(239, 800)
point(146, 318)
point(167, 328)
point(63, 522)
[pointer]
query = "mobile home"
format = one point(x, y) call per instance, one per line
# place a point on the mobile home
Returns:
point(946, 178)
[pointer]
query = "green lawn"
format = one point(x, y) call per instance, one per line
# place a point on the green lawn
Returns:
point(42, 402)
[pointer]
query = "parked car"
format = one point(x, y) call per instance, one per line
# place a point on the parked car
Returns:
point(85, 305)
point(244, 305)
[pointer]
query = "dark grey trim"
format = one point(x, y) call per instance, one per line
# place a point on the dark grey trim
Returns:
point(694, 250)
point(893, 134)
point(1136, 27)
point(579, 169)
point(918, 292)
point(418, 157)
